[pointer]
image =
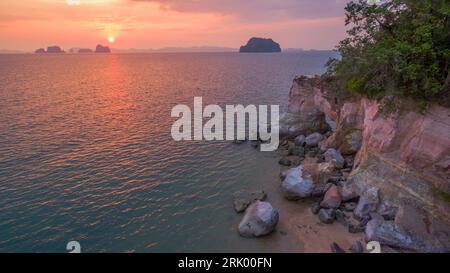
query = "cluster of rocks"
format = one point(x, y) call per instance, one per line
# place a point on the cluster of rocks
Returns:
point(324, 174)
point(57, 49)
point(260, 217)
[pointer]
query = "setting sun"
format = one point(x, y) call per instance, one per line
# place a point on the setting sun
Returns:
point(111, 39)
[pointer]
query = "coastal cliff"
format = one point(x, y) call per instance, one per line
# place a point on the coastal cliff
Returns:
point(404, 158)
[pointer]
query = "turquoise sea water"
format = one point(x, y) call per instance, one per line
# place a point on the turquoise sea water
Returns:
point(86, 152)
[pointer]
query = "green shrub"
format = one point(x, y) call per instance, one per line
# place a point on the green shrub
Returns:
point(396, 49)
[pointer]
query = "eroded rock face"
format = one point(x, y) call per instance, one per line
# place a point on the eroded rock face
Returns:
point(260, 219)
point(303, 117)
point(419, 141)
point(297, 184)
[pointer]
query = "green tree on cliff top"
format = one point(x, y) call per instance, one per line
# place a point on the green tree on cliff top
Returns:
point(396, 49)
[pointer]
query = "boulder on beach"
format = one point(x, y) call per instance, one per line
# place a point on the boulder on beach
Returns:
point(260, 45)
point(243, 199)
point(306, 181)
point(332, 198)
point(102, 49)
point(297, 184)
point(260, 219)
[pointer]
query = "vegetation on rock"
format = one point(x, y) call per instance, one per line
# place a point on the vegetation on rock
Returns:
point(396, 49)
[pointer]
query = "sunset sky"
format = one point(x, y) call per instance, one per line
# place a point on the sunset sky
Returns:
point(30, 24)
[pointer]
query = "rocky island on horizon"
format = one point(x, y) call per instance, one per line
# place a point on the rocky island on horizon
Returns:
point(57, 49)
point(102, 49)
point(50, 49)
point(260, 45)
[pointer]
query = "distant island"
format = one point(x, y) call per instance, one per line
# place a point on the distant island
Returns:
point(50, 49)
point(102, 49)
point(260, 45)
point(56, 49)
point(85, 50)
point(194, 49)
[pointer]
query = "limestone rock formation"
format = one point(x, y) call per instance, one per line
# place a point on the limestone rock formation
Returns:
point(54, 49)
point(260, 45)
point(102, 49)
point(303, 116)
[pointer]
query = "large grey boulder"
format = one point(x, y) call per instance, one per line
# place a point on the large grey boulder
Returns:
point(307, 180)
point(297, 184)
point(260, 219)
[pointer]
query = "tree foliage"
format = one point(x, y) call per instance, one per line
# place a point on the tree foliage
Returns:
point(396, 49)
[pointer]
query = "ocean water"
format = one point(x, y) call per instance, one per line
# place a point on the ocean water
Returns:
point(86, 152)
